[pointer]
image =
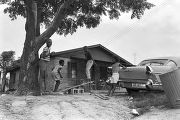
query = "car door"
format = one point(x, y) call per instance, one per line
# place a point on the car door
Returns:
point(133, 73)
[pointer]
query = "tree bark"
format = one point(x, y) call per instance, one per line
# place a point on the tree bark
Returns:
point(29, 68)
point(59, 16)
point(4, 82)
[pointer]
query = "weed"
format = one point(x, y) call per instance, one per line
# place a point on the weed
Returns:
point(144, 101)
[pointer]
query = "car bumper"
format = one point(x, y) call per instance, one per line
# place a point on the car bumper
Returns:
point(140, 86)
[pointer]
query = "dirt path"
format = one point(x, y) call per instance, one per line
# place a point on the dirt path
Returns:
point(64, 107)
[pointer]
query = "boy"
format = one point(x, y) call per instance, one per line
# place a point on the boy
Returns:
point(89, 63)
point(56, 73)
point(43, 65)
point(115, 77)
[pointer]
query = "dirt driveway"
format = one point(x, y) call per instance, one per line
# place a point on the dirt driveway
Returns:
point(64, 107)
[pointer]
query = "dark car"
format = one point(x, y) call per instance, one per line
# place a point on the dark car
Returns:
point(145, 76)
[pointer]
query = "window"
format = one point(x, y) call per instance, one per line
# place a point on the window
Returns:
point(153, 62)
point(72, 69)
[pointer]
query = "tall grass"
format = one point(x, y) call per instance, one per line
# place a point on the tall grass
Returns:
point(146, 100)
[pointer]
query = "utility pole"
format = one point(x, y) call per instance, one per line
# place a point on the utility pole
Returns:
point(134, 56)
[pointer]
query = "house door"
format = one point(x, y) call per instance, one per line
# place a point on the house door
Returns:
point(101, 76)
point(99, 73)
point(103, 73)
point(93, 74)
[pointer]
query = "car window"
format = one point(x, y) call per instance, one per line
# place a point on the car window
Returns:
point(171, 63)
point(153, 62)
point(156, 64)
point(144, 63)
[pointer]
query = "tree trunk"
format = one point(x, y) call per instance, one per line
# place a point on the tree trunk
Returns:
point(28, 76)
point(29, 69)
point(4, 82)
point(34, 41)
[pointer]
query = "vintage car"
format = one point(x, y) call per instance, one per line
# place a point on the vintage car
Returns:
point(145, 76)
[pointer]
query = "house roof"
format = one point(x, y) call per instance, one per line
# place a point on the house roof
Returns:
point(80, 50)
point(16, 64)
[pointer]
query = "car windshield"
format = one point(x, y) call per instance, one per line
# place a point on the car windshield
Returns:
point(153, 62)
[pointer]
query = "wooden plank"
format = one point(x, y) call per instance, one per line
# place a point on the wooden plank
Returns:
point(69, 88)
point(101, 96)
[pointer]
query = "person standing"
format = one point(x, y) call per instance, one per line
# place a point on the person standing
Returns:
point(43, 66)
point(89, 64)
point(115, 77)
point(57, 75)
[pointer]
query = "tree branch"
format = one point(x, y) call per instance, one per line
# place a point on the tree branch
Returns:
point(59, 16)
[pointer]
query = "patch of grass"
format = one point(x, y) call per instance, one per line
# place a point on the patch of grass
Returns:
point(144, 101)
point(150, 99)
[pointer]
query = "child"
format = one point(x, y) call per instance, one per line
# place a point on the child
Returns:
point(115, 77)
point(56, 73)
point(89, 63)
point(43, 66)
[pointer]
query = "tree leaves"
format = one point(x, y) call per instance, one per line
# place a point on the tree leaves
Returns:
point(6, 58)
point(114, 14)
point(15, 9)
point(81, 12)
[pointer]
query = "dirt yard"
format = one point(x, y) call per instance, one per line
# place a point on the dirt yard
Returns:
point(76, 107)
point(64, 107)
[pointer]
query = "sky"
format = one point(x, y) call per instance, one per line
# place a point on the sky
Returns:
point(156, 34)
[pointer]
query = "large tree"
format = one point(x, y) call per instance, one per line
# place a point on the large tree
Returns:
point(6, 60)
point(63, 17)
